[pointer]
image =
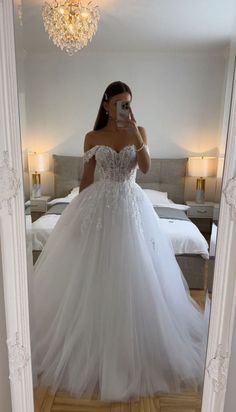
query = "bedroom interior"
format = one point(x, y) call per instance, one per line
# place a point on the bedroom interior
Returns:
point(182, 90)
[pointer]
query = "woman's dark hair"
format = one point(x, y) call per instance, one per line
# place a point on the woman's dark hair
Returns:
point(112, 90)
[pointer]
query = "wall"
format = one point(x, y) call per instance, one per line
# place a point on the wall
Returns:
point(177, 97)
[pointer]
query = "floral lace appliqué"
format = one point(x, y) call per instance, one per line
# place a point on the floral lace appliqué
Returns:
point(116, 183)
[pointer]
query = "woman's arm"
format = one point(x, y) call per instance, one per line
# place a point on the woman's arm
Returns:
point(143, 158)
point(89, 167)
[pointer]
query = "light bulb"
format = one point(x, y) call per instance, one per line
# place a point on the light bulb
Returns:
point(71, 28)
point(85, 14)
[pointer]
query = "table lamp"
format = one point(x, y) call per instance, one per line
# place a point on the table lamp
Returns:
point(201, 167)
point(38, 162)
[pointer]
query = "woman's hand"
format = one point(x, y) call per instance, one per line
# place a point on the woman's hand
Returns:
point(131, 126)
point(144, 161)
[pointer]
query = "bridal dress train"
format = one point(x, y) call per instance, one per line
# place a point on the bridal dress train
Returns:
point(112, 310)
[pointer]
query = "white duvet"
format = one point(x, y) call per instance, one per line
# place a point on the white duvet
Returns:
point(186, 238)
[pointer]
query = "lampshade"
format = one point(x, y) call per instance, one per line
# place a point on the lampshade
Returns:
point(202, 166)
point(38, 162)
point(220, 166)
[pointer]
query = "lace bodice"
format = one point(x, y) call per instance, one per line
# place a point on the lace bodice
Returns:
point(112, 165)
point(116, 184)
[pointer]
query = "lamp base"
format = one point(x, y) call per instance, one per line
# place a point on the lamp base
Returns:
point(200, 196)
point(200, 190)
point(36, 191)
point(36, 185)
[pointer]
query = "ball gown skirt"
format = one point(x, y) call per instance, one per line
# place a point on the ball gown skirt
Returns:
point(112, 309)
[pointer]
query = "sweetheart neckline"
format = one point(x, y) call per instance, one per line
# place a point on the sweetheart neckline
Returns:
point(109, 147)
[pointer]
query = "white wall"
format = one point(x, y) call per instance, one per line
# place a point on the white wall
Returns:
point(177, 97)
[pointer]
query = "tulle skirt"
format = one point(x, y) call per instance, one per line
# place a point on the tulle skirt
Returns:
point(111, 308)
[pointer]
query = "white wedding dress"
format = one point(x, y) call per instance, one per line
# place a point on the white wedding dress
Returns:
point(112, 309)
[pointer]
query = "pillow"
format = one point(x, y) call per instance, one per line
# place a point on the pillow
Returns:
point(173, 205)
point(75, 190)
point(157, 197)
point(160, 199)
point(66, 199)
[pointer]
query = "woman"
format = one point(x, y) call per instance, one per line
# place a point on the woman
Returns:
point(113, 315)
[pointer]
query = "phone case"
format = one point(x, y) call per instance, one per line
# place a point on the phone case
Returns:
point(122, 113)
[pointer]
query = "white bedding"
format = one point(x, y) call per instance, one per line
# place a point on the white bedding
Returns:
point(41, 229)
point(184, 235)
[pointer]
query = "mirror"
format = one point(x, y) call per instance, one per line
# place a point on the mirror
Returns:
point(181, 79)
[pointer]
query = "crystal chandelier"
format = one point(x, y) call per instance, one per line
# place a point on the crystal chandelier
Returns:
point(70, 23)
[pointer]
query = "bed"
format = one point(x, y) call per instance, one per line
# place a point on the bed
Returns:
point(185, 236)
point(166, 176)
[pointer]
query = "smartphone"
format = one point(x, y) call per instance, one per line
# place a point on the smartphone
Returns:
point(122, 113)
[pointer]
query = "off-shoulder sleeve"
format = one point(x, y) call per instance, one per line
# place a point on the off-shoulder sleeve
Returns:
point(89, 153)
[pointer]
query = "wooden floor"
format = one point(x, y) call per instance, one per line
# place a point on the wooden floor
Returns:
point(199, 297)
point(45, 401)
point(61, 402)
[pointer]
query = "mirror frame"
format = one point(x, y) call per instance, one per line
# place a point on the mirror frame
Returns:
point(13, 245)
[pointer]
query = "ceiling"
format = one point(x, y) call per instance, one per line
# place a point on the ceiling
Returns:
point(145, 25)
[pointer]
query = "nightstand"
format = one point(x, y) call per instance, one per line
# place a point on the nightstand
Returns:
point(39, 206)
point(201, 214)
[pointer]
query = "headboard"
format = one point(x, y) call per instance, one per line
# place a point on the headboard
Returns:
point(167, 175)
point(67, 173)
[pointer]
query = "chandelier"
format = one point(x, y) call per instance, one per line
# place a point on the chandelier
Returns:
point(70, 24)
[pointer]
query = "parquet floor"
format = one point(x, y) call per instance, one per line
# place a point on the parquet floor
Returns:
point(61, 402)
point(45, 401)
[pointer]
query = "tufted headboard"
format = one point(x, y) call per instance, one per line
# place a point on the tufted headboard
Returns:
point(67, 173)
point(167, 175)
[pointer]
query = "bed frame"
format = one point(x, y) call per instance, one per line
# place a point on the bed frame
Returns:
point(167, 175)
